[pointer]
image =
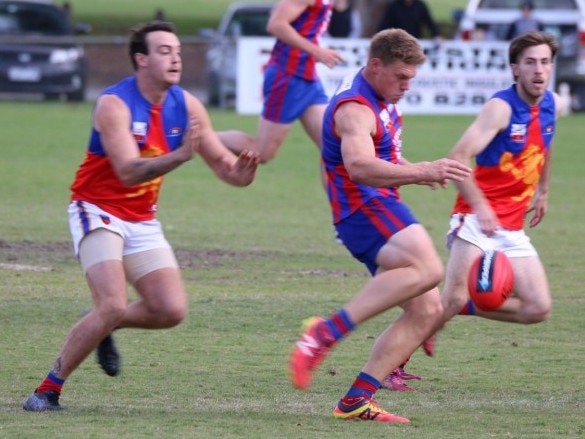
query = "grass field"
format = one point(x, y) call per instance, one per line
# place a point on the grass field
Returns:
point(256, 261)
point(116, 16)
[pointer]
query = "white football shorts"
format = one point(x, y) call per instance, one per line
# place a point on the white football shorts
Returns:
point(141, 245)
point(514, 243)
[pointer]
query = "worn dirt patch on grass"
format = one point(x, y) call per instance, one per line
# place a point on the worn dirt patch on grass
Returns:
point(34, 256)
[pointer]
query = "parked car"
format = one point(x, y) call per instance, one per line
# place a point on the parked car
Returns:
point(39, 53)
point(491, 19)
point(240, 20)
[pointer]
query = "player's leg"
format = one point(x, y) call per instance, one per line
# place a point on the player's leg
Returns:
point(312, 121)
point(100, 254)
point(455, 294)
point(155, 275)
point(237, 141)
point(163, 301)
point(108, 287)
point(288, 98)
point(386, 237)
point(530, 301)
point(395, 381)
point(270, 136)
point(404, 335)
point(151, 267)
point(413, 269)
point(409, 266)
point(424, 309)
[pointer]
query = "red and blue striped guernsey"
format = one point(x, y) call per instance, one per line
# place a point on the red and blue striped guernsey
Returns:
point(311, 25)
point(345, 195)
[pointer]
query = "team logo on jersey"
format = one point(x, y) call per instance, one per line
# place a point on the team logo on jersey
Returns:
point(139, 131)
point(175, 131)
point(549, 129)
point(518, 132)
point(525, 168)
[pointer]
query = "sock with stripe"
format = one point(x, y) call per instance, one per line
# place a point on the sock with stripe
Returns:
point(364, 387)
point(51, 382)
point(336, 327)
point(468, 309)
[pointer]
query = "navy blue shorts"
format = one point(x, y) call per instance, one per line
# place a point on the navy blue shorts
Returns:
point(286, 97)
point(365, 232)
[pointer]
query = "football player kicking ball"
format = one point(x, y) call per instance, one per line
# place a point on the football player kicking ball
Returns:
point(362, 155)
point(511, 142)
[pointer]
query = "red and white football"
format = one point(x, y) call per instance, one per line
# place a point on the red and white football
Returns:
point(490, 280)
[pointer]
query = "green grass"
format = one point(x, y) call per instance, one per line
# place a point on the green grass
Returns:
point(117, 16)
point(256, 261)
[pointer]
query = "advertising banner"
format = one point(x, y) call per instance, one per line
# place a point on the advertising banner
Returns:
point(457, 78)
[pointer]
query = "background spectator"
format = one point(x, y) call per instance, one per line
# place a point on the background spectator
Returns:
point(370, 12)
point(411, 16)
point(345, 20)
point(525, 23)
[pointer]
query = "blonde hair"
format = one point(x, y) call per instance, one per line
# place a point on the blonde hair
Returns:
point(392, 45)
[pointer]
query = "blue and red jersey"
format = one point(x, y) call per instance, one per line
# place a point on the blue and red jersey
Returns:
point(508, 169)
point(311, 25)
point(347, 196)
point(157, 129)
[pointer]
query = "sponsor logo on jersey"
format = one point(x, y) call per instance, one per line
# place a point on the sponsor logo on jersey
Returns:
point(518, 133)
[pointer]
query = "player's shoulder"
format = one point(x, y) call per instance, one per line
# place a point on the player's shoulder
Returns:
point(495, 114)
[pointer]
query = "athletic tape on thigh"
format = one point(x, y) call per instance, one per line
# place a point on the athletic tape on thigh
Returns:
point(98, 246)
point(140, 264)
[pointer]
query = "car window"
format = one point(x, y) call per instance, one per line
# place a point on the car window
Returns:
point(32, 19)
point(538, 4)
point(248, 24)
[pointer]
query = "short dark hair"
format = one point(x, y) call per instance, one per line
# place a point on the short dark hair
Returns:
point(137, 43)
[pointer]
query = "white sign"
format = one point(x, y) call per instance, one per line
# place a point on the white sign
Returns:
point(457, 78)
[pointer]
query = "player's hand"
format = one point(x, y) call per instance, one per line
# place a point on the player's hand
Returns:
point(538, 210)
point(329, 57)
point(191, 140)
point(445, 169)
point(245, 166)
point(487, 219)
point(432, 184)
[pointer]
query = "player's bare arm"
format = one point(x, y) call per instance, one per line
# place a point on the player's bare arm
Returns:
point(539, 205)
point(111, 119)
point(279, 25)
point(235, 170)
point(493, 118)
point(356, 125)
